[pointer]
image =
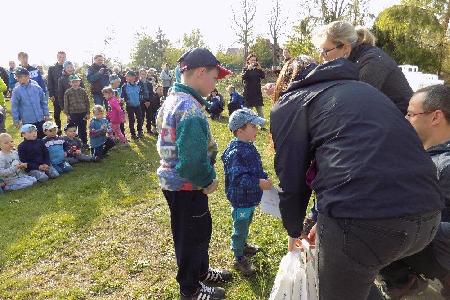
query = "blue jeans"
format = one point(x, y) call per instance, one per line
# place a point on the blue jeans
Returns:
point(242, 218)
point(63, 167)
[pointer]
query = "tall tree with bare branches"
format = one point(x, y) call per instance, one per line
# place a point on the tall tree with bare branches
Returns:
point(276, 25)
point(243, 23)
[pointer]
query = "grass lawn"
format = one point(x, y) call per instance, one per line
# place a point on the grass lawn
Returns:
point(102, 232)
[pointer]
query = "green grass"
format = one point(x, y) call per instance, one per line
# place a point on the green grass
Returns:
point(103, 231)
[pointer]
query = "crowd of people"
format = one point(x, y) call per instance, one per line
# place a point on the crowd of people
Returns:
point(348, 128)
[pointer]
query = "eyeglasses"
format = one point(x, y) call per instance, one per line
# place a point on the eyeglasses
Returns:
point(411, 114)
point(324, 52)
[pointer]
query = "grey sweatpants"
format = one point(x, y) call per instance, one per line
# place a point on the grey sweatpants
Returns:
point(19, 182)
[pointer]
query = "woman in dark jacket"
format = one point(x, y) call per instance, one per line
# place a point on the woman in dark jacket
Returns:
point(377, 194)
point(341, 39)
point(251, 77)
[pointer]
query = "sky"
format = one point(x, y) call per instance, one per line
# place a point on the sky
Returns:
point(80, 27)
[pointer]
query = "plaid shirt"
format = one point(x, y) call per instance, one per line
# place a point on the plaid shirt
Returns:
point(243, 170)
point(76, 101)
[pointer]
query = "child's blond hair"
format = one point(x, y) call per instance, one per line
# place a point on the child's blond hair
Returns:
point(4, 136)
point(98, 108)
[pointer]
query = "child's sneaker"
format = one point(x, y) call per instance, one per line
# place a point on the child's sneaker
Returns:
point(218, 276)
point(206, 293)
point(244, 265)
point(250, 250)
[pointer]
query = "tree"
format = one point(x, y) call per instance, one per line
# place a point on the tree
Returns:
point(150, 52)
point(193, 40)
point(276, 24)
point(354, 11)
point(441, 9)
point(232, 61)
point(243, 23)
point(409, 35)
point(262, 48)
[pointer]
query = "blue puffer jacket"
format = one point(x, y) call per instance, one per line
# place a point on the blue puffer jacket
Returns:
point(243, 170)
point(56, 148)
point(28, 103)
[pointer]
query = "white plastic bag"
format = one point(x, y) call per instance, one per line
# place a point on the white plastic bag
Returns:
point(290, 282)
point(270, 202)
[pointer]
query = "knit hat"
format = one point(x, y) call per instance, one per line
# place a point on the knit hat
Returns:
point(74, 77)
point(131, 73)
point(244, 116)
point(66, 64)
point(27, 128)
point(21, 71)
point(113, 77)
point(201, 57)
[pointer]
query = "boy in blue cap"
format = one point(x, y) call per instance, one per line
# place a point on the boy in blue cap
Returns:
point(133, 95)
point(34, 153)
point(187, 175)
point(28, 102)
point(245, 181)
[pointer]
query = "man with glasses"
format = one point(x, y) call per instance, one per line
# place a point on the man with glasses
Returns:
point(429, 114)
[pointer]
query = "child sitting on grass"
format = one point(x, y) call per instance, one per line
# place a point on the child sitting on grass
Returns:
point(216, 104)
point(12, 171)
point(57, 148)
point(236, 100)
point(245, 181)
point(74, 146)
point(115, 113)
point(100, 133)
point(33, 152)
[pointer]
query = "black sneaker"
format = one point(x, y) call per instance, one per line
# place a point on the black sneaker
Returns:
point(250, 250)
point(206, 293)
point(244, 265)
point(218, 276)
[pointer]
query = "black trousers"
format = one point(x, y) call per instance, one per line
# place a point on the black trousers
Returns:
point(102, 150)
point(134, 114)
point(351, 252)
point(166, 90)
point(146, 116)
point(40, 130)
point(191, 230)
point(78, 120)
point(57, 112)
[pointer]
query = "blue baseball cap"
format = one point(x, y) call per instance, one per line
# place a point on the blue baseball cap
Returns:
point(244, 116)
point(201, 57)
point(21, 71)
point(27, 128)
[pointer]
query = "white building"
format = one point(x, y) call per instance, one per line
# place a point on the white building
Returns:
point(418, 80)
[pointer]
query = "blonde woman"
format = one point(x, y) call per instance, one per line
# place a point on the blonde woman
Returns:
point(340, 39)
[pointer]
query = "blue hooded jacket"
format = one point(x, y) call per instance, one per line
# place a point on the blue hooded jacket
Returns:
point(36, 76)
point(28, 103)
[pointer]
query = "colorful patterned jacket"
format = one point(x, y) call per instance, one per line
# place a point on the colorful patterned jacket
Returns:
point(185, 144)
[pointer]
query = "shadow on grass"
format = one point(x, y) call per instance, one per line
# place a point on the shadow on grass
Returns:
point(36, 221)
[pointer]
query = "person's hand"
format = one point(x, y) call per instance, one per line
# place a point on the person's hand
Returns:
point(265, 184)
point(103, 126)
point(293, 244)
point(147, 104)
point(43, 167)
point(46, 118)
point(78, 152)
point(22, 166)
point(52, 98)
point(311, 238)
point(211, 188)
point(269, 88)
point(68, 118)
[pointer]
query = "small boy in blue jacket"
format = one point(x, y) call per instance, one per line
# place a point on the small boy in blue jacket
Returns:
point(245, 181)
point(133, 95)
point(57, 148)
point(236, 100)
point(100, 133)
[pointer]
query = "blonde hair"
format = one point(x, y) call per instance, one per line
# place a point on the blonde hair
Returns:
point(365, 36)
point(5, 135)
point(98, 108)
point(337, 32)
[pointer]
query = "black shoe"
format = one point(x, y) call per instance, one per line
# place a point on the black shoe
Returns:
point(206, 293)
point(250, 250)
point(244, 265)
point(217, 276)
point(140, 135)
point(134, 137)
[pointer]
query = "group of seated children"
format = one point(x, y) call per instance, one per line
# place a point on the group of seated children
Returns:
point(215, 103)
point(41, 159)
